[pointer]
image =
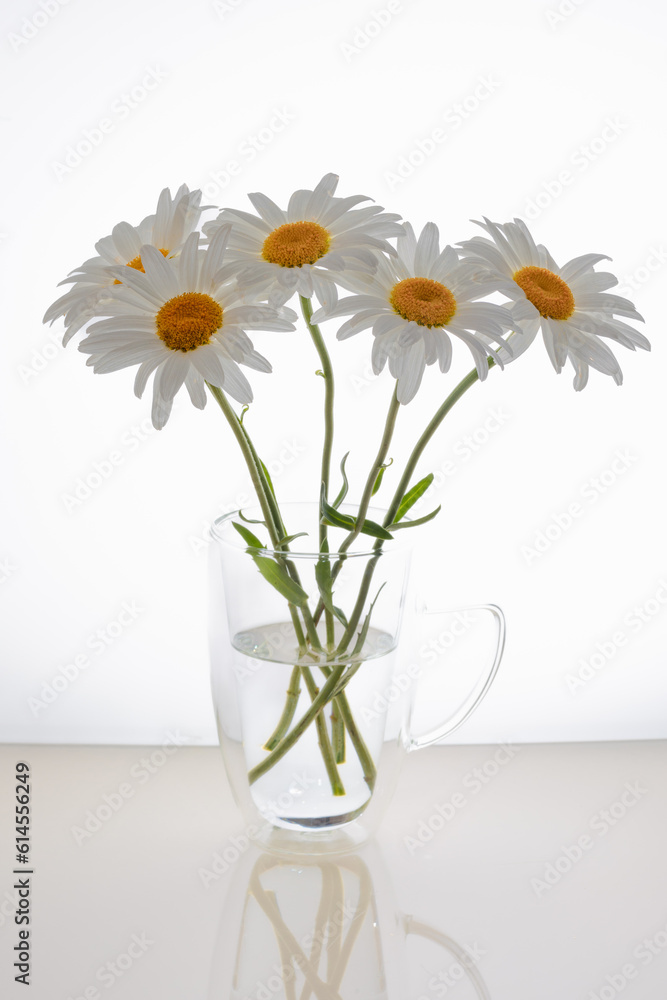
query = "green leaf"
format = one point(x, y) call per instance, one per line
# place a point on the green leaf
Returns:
point(248, 537)
point(268, 477)
point(344, 488)
point(281, 580)
point(415, 523)
point(331, 516)
point(243, 413)
point(324, 585)
point(286, 539)
point(378, 481)
point(250, 520)
point(365, 627)
point(412, 496)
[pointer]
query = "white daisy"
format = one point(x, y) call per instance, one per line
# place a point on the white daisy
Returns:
point(570, 304)
point(309, 247)
point(414, 303)
point(174, 220)
point(175, 317)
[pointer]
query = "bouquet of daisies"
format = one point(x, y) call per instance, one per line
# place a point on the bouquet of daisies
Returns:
point(179, 301)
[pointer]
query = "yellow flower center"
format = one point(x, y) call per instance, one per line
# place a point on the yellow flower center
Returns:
point(551, 296)
point(296, 244)
point(423, 301)
point(189, 320)
point(137, 265)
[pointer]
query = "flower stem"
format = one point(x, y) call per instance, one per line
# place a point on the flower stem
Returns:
point(337, 731)
point(327, 446)
point(325, 694)
point(323, 736)
point(402, 487)
point(262, 490)
point(366, 496)
point(428, 433)
point(251, 460)
point(285, 721)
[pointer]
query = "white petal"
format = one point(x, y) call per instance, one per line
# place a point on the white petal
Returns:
point(194, 383)
point(144, 372)
point(578, 265)
point(409, 370)
point(427, 250)
point(188, 264)
point(268, 210)
point(127, 241)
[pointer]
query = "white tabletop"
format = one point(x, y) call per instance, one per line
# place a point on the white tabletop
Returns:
point(541, 868)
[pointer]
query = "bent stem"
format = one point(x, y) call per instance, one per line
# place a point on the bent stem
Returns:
point(285, 721)
point(287, 742)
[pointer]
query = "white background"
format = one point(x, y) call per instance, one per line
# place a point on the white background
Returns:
point(553, 114)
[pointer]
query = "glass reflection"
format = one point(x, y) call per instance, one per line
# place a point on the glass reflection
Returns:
point(326, 928)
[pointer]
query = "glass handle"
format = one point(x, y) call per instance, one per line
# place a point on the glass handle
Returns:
point(463, 958)
point(450, 725)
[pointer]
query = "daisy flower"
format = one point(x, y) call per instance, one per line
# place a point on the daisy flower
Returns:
point(176, 318)
point(414, 304)
point(174, 220)
point(307, 248)
point(570, 304)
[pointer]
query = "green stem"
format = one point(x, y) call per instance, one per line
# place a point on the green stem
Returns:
point(364, 504)
point(250, 456)
point(366, 496)
point(363, 753)
point(288, 741)
point(402, 487)
point(327, 446)
point(323, 736)
point(285, 721)
point(261, 487)
point(337, 731)
point(430, 430)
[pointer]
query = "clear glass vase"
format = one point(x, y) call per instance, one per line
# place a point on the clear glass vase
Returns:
point(304, 656)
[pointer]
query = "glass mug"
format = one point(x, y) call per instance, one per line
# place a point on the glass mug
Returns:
point(314, 707)
point(329, 929)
